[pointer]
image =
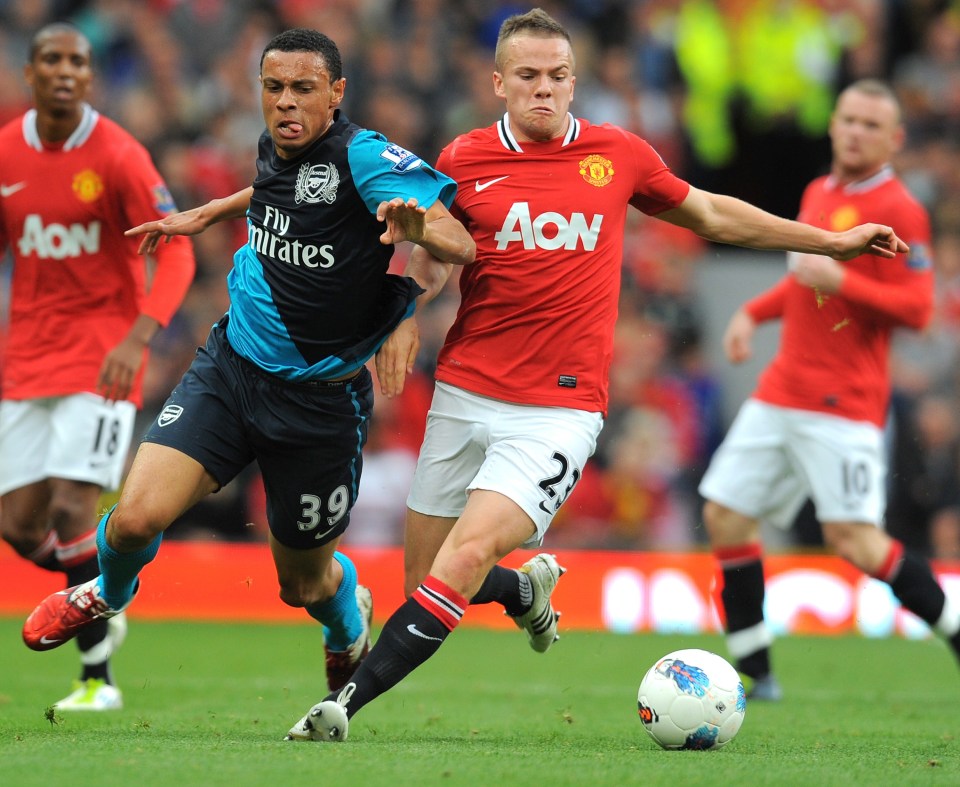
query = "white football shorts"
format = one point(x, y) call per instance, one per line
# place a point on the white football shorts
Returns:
point(81, 437)
point(774, 458)
point(530, 454)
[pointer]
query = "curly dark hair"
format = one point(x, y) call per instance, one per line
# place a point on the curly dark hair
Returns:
point(303, 39)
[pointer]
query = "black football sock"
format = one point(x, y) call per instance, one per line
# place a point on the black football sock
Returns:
point(411, 636)
point(505, 586)
point(748, 638)
point(914, 584)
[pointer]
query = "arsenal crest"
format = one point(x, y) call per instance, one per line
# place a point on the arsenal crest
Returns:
point(317, 183)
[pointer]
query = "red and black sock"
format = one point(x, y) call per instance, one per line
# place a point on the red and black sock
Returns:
point(742, 595)
point(411, 636)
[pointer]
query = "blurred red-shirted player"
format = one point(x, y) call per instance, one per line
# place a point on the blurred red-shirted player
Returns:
point(814, 426)
point(83, 309)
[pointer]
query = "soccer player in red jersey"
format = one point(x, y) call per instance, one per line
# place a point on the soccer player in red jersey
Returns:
point(814, 425)
point(522, 377)
point(80, 321)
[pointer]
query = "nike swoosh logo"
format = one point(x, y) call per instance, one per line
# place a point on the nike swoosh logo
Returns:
point(325, 532)
point(481, 186)
point(412, 628)
point(6, 191)
point(45, 641)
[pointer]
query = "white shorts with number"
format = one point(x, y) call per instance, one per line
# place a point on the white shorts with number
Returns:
point(532, 455)
point(81, 437)
point(774, 458)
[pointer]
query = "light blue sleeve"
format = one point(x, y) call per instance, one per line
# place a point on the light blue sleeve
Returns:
point(382, 171)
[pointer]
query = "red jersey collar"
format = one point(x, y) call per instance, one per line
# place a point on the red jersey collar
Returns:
point(509, 141)
point(860, 186)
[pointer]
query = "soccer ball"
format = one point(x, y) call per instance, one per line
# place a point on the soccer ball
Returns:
point(691, 699)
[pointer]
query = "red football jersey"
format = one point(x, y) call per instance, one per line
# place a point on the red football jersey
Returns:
point(834, 349)
point(535, 323)
point(78, 284)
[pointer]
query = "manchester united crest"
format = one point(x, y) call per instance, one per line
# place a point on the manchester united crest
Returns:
point(844, 218)
point(596, 170)
point(87, 185)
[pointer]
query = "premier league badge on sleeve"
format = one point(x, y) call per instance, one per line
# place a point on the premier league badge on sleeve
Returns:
point(919, 257)
point(402, 159)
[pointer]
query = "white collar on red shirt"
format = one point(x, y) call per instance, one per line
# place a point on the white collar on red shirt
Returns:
point(509, 141)
point(860, 186)
point(81, 133)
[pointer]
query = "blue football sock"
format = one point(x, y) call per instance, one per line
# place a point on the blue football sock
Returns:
point(119, 570)
point(340, 615)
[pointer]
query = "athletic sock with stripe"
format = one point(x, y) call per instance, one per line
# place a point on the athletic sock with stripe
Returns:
point(411, 636)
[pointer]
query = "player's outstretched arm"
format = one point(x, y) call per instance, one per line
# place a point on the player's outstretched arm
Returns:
point(432, 228)
point(725, 219)
point(193, 221)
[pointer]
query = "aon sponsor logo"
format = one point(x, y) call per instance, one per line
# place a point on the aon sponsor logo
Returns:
point(548, 230)
point(56, 241)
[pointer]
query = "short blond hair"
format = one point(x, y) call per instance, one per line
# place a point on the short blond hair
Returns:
point(536, 23)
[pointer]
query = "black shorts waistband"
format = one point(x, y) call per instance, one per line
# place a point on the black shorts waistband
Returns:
point(250, 366)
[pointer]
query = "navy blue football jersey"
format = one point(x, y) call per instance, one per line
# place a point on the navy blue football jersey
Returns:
point(310, 296)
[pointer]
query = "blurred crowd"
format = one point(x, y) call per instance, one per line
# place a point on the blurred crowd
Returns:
point(734, 94)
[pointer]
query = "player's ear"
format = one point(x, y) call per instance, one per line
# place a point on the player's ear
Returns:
point(899, 138)
point(498, 84)
point(337, 89)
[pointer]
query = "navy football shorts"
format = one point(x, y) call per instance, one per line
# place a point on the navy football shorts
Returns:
point(306, 437)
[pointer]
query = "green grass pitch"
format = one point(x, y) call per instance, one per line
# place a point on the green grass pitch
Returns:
point(209, 705)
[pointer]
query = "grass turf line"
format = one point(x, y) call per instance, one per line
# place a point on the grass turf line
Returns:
point(209, 704)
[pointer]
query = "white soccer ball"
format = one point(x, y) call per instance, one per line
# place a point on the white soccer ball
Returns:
point(691, 699)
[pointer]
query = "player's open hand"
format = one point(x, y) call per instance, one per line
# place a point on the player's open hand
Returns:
point(395, 357)
point(876, 239)
point(406, 220)
point(187, 222)
point(119, 370)
point(738, 337)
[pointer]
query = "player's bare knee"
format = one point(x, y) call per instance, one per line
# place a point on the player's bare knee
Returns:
point(469, 562)
point(132, 528)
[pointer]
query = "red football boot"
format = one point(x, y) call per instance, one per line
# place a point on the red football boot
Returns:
point(60, 616)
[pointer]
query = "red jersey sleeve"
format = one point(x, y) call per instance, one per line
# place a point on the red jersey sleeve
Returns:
point(146, 198)
point(902, 293)
point(657, 189)
point(769, 304)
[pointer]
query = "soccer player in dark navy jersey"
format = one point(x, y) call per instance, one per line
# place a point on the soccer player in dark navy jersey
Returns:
point(282, 379)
